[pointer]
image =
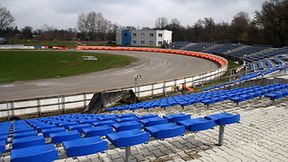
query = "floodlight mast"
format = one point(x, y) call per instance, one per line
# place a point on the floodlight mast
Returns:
point(136, 78)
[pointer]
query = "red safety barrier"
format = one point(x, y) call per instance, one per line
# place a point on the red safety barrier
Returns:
point(219, 60)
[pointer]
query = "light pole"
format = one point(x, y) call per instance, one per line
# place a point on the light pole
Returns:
point(136, 78)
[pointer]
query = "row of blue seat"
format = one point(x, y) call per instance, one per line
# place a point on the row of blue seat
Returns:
point(249, 76)
point(84, 139)
point(236, 95)
point(265, 55)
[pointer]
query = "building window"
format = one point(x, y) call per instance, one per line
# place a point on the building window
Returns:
point(134, 34)
point(160, 42)
point(160, 35)
point(151, 43)
point(151, 35)
point(134, 42)
point(142, 42)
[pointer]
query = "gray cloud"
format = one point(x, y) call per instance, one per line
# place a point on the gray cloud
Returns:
point(64, 13)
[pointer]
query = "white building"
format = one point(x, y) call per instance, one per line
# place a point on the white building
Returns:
point(144, 38)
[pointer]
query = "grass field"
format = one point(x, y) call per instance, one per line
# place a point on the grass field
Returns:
point(31, 65)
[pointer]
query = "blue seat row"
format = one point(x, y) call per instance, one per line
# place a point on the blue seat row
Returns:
point(236, 95)
point(121, 134)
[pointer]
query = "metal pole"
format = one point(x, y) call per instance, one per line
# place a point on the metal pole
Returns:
point(8, 111)
point(59, 106)
point(127, 153)
point(85, 98)
point(63, 104)
point(38, 107)
point(221, 135)
point(13, 109)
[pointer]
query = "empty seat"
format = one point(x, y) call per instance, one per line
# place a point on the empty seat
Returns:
point(197, 124)
point(28, 142)
point(43, 153)
point(127, 126)
point(85, 146)
point(127, 119)
point(128, 138)
point(79, 127)
point(126, 115)
point(64, 136)
point(2, 146)
point(224, 118)
point(153, 121)
point(47, 132)
point(97, 131)
point(107, 122)
point(66, 124)
point(165, 130)
point(177, 117)
point(25, 134)
point(147, 116)
point(42, 127)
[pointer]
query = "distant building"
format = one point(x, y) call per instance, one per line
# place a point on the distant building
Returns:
point(145, 38)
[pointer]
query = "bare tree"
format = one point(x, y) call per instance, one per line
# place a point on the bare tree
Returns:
point(161, 23)
point(6, 19)
point(94, 26)
point(175, 21)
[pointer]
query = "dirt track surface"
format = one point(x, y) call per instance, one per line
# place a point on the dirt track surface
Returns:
point(153, 67)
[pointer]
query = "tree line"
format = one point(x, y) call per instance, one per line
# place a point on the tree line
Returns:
point(269, 26)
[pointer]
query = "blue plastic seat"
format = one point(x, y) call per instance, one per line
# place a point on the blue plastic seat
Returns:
point(126, 115)
point(208, 101)
point(46, 132)
point(177, 117)
point(107, 122)
point(127, 126)
point(274, 96)
point(2, 146)
point(224, 118)
point(97, 131)
point(23, 130)
point(43, 153)
point(85, 146)
point(64, 136)
point(153, 121)
point(197, 124)
point(128, 138)
point(127, 119)
point(79, 127)
point(42, 127)
point(88, 121)
point(25, 134)
point(110, 118)
point(165, 130)
point(27, 142)
point(66, 124)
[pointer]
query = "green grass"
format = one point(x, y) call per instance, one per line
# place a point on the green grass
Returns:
point(69, 44)
point(31, 65)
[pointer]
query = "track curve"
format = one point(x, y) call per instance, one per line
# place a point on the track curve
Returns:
point(153, 67)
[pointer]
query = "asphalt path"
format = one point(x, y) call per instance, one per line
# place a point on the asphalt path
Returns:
point(153, 67)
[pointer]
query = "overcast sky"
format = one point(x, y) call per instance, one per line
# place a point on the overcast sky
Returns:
point(138, 13)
